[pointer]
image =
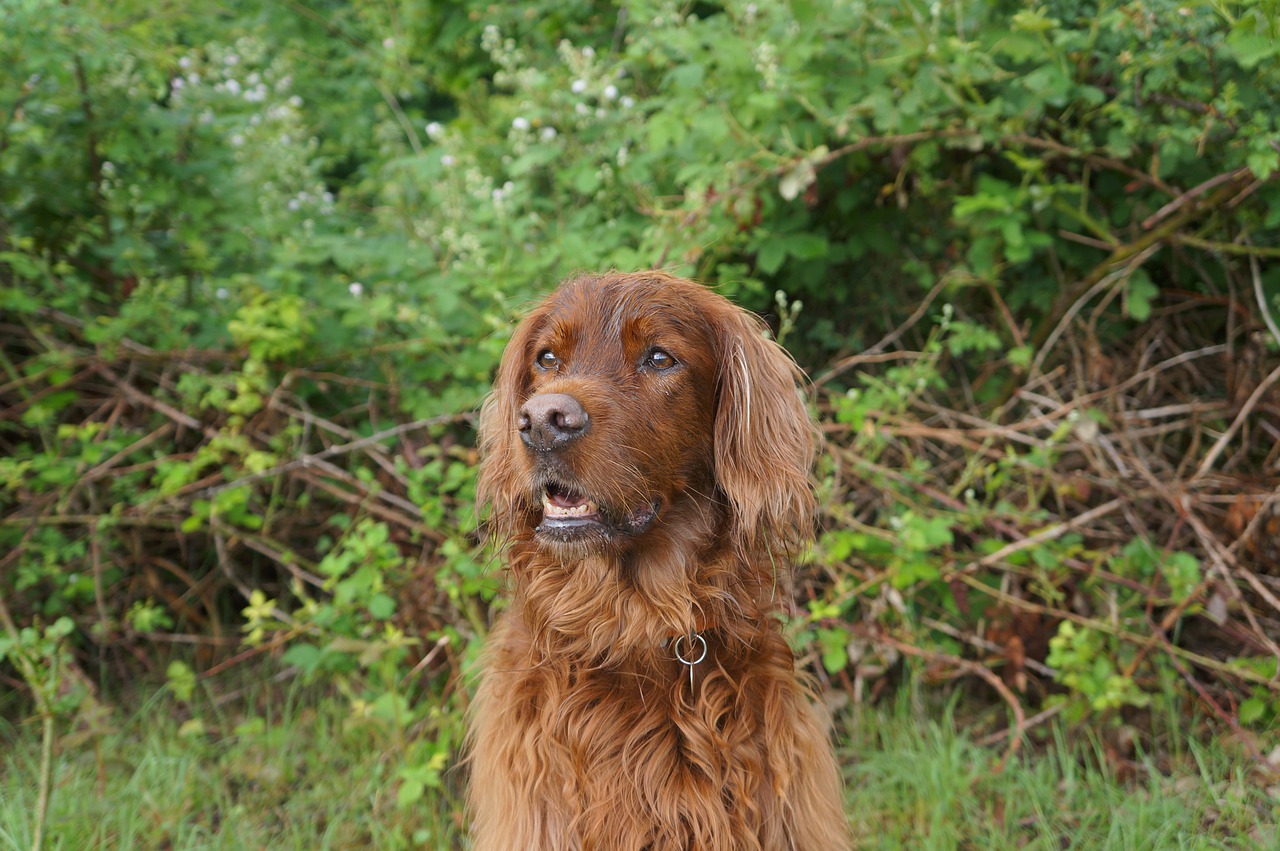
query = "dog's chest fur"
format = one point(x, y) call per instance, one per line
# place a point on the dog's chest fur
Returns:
point(633, 750)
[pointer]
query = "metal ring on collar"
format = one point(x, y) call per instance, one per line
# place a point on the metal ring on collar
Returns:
point(692, 637)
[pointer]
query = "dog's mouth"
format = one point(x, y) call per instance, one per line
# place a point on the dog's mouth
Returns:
point(570, 515)
point(563, 505)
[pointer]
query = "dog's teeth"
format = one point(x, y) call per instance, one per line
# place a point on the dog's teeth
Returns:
point(550, 509)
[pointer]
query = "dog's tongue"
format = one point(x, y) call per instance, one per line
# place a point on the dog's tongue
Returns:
point(558, 502)
point(564, 498)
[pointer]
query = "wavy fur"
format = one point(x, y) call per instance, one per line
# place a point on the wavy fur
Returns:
point(586, 732)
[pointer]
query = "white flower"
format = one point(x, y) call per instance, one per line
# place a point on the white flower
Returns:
point(588, 52)
point(231, 59)
point(388, 43)
point(610, 92)
point(295, 101)
point(233, 86)
point(237, 140)
point(578, 87)
point(356, 288)
point(221, 293)
point(184, 62)
point(548, 133)
point(520, 123)
point(447, 160)
point(294, 204)
point(628, 101)
point(435, 130)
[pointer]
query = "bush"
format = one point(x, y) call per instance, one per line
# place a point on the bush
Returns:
point(258, 268)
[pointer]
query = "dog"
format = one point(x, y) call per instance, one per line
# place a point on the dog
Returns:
point(645, 453)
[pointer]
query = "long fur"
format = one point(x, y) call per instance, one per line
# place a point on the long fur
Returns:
point(586, 732)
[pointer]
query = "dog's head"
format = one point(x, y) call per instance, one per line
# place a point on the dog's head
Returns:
point(629, 406)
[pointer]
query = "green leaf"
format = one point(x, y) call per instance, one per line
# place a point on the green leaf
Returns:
point(665, 130)
point(1251, 49)
point(923, 534)
point(1141, 292)
point(586, 179)
point(1182, 572)
point(533, 159)
point(1020, 46)
point(688, 76)
point(807, 246)
point(835, 654)
point(912, 570)
point(1034, 21)
point(1263, 162)
point(1252, 710)
point(304, 657)
point(410, 792)
point(181, 680)
point(1020, 356)
point(1049, 84)
point(771, 255)
point(382, 606)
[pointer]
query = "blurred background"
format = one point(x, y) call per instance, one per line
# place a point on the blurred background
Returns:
point(258, 261)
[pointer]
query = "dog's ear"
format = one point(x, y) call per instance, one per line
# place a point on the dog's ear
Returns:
point(764, 437)
point(499, 484)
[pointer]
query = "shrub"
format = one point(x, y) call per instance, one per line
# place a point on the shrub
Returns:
point(258, 268)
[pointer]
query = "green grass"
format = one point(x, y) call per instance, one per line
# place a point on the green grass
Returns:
point(291, 770)
point(916, 782)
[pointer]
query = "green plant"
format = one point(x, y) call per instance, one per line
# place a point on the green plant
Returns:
point(40, 655)
point(256, 269)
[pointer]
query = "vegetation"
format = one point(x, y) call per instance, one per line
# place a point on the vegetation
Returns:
point(252, 777)
point(258, 260)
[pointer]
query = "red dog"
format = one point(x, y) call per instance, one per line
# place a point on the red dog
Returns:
point(646, 453)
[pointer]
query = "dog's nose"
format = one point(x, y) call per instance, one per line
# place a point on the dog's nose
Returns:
point(550, 420)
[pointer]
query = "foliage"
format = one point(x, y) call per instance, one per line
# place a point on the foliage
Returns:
point(259, 260)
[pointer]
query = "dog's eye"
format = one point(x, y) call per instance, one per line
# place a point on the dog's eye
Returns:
point(548, 360)
point(659, 360)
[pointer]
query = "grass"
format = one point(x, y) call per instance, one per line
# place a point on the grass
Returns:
point(917, 782)
point(291, 770)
